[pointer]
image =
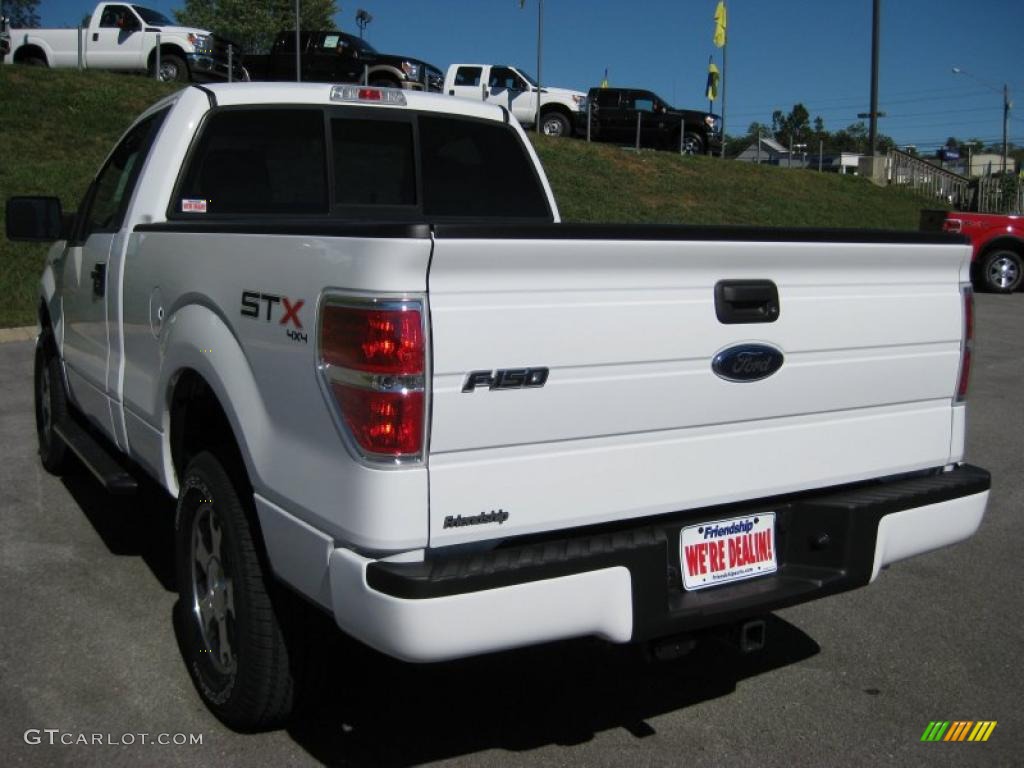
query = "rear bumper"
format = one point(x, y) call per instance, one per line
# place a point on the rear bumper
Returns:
point(624, 584)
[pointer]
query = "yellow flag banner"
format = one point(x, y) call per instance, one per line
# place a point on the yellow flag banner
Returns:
point(720, 22)
point(713, 76)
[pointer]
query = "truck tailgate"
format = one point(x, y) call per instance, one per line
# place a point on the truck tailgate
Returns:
point(632, 420)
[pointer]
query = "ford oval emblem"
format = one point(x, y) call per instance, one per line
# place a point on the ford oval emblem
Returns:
point(747, 362)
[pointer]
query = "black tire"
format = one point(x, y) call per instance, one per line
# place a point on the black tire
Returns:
point(555, 124)
point(1001, 271)
point(35, 61)
point(693, 143)
point(172, 69)
point(224, 595)
point(51, 406)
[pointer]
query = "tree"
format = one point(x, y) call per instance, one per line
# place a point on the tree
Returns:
point(254, 25)
point(21, 13)
point(792, 127)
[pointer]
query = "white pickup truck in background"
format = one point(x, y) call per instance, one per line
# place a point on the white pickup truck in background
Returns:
point(123, 36)
point(345, 328)
point(516, 91)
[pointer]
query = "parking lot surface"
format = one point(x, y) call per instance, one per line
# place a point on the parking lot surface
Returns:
point(87, 646)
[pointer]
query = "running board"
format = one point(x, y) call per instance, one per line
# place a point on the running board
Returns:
point(97, 459)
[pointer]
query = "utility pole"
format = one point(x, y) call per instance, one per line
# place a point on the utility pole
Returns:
point(298, 54)
point(873, 130)
point(540, 46)
point(1006, 106)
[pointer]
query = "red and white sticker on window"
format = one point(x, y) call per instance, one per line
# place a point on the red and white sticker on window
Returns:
point(193, 206)
point(728, 550)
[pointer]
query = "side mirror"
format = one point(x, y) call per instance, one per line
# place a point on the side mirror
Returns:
point(34, 219)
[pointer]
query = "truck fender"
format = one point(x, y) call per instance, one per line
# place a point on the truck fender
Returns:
point(384, 71)
point(197, 338)
point(26, 47)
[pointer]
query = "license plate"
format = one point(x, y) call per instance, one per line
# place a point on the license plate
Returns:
point(728, 550)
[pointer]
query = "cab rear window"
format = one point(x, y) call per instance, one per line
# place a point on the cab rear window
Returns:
point(270, 161)
point(353, 163)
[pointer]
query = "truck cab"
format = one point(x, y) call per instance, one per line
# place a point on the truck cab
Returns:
point(515, 90)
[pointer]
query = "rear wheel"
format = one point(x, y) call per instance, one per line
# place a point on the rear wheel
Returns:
point(1001, 271)
point(230, 637)
point(35, 61)
point(51, 407)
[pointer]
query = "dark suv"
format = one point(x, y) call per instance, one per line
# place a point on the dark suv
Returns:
point(337, 57)
point(614, 114)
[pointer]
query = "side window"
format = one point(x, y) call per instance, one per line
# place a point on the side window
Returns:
point(114, 16)
point(643, 104)
point(108, 198)
point(468, 76)
point(608, 99)
point(256, 161)
point(477, 168)
point(374, 162)
point(502, 77)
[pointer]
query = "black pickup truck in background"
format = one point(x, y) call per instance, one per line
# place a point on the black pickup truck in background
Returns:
point(337, 57)
point(613, 117)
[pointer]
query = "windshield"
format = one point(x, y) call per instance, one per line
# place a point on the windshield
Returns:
point(526, 77)
point(359, 44)
point(153, 17)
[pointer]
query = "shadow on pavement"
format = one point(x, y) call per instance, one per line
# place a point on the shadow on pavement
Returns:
point(363, 708)
point(371, 710)
point(141, 525)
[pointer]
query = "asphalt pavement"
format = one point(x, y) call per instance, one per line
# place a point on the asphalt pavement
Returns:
point(88, 652)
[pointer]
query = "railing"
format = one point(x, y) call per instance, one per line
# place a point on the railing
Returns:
point(994, 197)
point(929, 180)
point(986, 195)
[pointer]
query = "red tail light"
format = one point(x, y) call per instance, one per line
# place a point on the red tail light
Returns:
point(967, 346)
point(373, 359)
point(952, 225)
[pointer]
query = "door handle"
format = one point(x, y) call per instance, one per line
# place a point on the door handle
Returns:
point(451, 91)
point(95, 37)
point(99, 280)
point(746, 301)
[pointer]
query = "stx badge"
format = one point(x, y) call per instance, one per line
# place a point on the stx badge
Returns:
point(289, 310)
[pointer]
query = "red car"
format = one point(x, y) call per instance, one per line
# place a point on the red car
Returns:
point(998, 241)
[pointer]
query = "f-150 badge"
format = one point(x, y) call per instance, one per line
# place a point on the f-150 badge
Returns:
point(747, 362)
point(506, 378)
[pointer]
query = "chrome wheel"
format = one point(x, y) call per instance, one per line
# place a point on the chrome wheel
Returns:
point(1003, 273)
point(168, 71)
point(554, 124)
point(213, 597)
point(692, 144)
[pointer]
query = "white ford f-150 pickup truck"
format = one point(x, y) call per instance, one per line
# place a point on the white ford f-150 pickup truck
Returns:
point(124, 36)
point(344, 327)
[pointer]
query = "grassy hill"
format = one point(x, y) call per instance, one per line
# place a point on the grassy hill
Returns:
point(57, 126)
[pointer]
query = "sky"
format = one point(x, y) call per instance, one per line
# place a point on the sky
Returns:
point(779, 53)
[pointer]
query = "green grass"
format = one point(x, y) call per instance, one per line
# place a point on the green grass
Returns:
point(58, 125)
point(601, 182)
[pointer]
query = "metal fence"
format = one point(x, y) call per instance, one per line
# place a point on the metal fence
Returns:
point(986, 195)
point(927, 180)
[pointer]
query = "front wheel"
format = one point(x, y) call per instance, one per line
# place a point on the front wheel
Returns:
point(1001, 271)
point(172, 69)
point(693, 144)
point(51, 407)
point(555, 124)
point(230, 638)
